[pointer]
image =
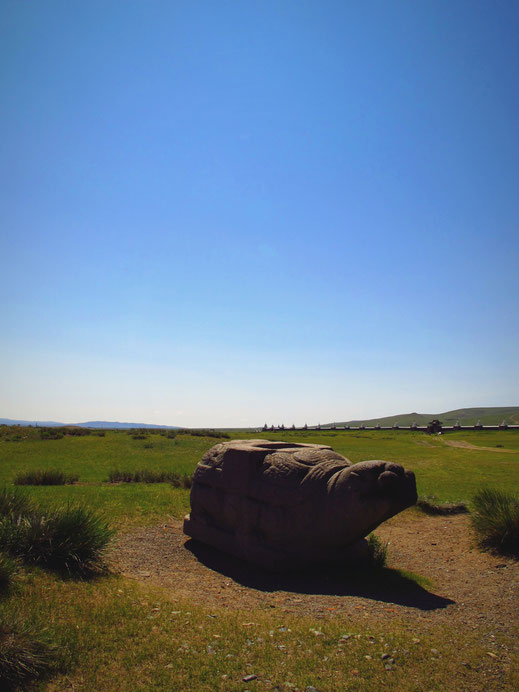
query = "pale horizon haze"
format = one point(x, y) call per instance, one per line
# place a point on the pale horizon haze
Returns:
point(218, 214)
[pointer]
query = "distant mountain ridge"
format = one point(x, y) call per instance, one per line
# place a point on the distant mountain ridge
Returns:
point(493, 415)
point(112, 425)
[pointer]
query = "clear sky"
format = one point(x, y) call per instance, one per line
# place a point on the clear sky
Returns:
point(235, 212)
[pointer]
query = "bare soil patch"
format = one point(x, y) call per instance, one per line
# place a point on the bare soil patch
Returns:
point(468, 588)
point(461, 444)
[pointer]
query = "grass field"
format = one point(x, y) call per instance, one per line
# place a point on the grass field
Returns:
point(451, 474)
point(117, 634)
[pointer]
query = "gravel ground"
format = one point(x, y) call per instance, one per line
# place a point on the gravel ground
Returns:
point(468, 588)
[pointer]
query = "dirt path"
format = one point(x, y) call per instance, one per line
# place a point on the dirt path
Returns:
point(467, 445)
point(468, 588)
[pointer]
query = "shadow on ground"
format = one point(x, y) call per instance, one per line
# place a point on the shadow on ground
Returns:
point(386, 585)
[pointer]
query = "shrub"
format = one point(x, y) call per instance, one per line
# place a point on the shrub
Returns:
point(75, 430)
point(204, 433)
point(70, 539)
point(182, 481)
point(377, 556)
point(7, 570)
point(148, 476)
point(50, 434)
point(24, 656)
point(14, 502)
point(495, 517)
point(45, 477)
point(429, 505)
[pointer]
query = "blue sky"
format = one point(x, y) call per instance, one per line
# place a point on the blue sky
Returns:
point(230, 213)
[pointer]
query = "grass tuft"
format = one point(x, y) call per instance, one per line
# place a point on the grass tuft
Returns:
point(216, 434)
point(377, 552)
point(429, 505)
point(45, 477)
point(24, 657)
point(69, 539)
point(495, 517)
point(7, 570)
point(14, 503)
point(177, 480)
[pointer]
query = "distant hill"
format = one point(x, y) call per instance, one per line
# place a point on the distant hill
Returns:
point(466, 416)
point(112, 425)
point(116, 424)
point(41, 423)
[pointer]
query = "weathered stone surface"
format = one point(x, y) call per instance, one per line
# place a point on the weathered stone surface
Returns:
point(282, 505)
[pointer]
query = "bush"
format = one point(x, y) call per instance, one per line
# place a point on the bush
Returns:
point(7, 570)
point(45, 477)
point(204, 433)
point(75, 430)
point(377, 552)
point(24, 657)
point(495, 517)
point(429, 505)
point(50, 434)
point(182, 481)
point(14, 503)
point(70, 539)
point(148, 476)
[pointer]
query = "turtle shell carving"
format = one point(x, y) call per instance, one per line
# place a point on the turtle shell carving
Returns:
point(281, 505)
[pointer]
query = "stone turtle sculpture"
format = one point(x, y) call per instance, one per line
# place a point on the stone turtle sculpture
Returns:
point(282, 505)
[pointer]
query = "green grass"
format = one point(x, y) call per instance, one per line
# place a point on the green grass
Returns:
point(138, 638)
point(451, 474)
point(93, 457)
point(123, 505)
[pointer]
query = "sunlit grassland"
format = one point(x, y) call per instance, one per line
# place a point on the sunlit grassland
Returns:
point(451, 474)
point(124, 504)
point(116, 634)
point(94, 457)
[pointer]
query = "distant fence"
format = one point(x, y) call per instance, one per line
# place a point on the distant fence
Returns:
point(432, 429)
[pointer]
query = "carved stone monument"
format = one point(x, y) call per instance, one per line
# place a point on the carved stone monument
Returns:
point(282, 504)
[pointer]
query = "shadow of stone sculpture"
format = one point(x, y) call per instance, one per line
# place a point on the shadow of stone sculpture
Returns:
point(286, 505)
point(386, 585)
